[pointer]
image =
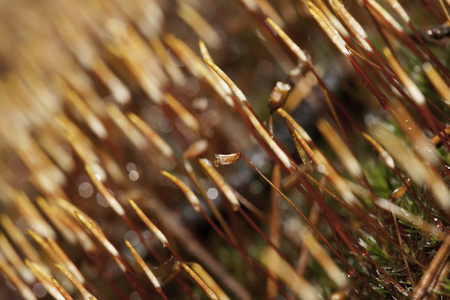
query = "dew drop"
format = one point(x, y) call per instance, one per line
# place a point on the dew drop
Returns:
point(132, 237)
point(101, 201)
point(155, 112)
point(133, 175)
point(212, 193)
point(256, 187)
point(85, 190)
point(130, 167)
point(190, 86)
point(147, 235)
point(165, 125)
point(39, 290)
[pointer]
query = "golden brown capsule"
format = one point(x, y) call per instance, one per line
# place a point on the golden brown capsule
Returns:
point(279, 95)
point(339, 295)
point(398, 193)
point(226, 159)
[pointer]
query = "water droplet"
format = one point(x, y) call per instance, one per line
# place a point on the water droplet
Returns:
point(101, 201)
point(39, 290)
point(133, 175)
point(165, 125)
point(85, 190)
point(130, 167)
point(132, 237)
point(256, 187)
point(147, 235)
point(190, 86)
point(212, 193)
